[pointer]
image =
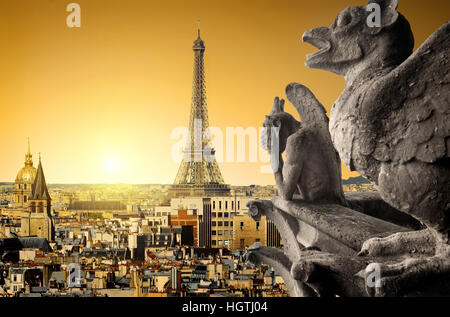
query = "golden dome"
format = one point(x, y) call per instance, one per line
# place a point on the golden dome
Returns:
point(28, 172)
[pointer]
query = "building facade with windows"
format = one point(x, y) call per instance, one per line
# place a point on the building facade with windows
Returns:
point(246, 232)
point(223, 222)
point(214, 216)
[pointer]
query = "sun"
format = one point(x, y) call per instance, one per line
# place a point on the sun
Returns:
point(112, 165)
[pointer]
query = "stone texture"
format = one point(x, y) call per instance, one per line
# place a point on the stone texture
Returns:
point(321, 242)
point(370, 203)
point(336, 227)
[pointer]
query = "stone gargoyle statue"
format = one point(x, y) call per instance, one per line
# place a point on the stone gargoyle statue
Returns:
point(392, 125)
point(312, 167)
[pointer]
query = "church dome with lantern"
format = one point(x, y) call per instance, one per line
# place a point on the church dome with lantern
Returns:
point(27, 174)
point(23, 186)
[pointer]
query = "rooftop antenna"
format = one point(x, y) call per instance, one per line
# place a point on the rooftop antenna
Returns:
point(198, 28)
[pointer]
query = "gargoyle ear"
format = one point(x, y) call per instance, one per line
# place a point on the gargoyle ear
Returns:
point(388, 13)
point(282, 105)
point(276, 105)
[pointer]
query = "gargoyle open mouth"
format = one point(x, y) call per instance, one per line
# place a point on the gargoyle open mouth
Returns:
point(322, 44)
point(320, 38)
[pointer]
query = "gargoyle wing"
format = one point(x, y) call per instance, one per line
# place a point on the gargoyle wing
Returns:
point(314, 120)
point(312, 114)
point(413, 102)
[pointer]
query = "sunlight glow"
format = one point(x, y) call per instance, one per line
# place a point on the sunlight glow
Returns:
point(112, 166)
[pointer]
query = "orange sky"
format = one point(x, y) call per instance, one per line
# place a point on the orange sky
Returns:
point(100, 102)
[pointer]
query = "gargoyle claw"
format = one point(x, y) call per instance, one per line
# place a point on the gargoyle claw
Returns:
point(401, 278)
point(400, 243)
point(363, 253)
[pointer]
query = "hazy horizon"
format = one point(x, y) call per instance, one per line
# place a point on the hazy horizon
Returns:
point(162, 184)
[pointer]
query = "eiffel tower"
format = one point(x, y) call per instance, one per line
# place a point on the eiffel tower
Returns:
point(199, 174)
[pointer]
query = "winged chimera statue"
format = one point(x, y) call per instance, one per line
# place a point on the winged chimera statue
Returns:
point(392, 125)
point(392, 122)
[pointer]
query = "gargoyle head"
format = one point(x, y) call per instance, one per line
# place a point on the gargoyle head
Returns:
point(355, 41)
point(281, 121)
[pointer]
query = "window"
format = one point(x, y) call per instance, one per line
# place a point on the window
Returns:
point(232, 205)
point(24, 199)
point(242, 225)
point(220, 232)
point(213, 223)
point(225, 223)
point(220, 205)
point(214, 215)
point(219, 224)
point(214, 242)
point(257, 225)
point(226, 205)
point(220, 215)
point(257, 240)
point(231, 223)
point(239, 205)
point(220, 242)
point(24, 186)
point(14, 278)
point(214, 205)
point(213, 232)
point(225, 214)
